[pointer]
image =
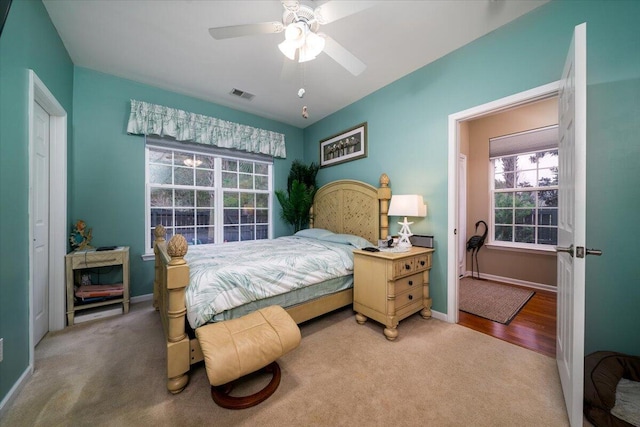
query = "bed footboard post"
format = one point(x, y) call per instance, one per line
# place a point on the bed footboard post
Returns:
point(159, 234)
point(384, 195)
point(178, 349)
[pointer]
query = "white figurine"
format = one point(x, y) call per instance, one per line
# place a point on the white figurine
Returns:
point(404, 234)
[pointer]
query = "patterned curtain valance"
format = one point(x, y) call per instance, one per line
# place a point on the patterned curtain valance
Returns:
point(152, 119)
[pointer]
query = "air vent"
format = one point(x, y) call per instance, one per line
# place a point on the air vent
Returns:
point(242, 94)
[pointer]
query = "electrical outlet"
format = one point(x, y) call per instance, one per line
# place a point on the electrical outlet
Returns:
point(1, 352)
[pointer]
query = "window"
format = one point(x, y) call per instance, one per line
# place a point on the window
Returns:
point(208, 196)
point(525, 190)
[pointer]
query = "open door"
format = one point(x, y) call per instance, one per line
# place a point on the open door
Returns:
point(572, 111)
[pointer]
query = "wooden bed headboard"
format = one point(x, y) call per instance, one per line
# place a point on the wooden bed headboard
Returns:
point(353, 207)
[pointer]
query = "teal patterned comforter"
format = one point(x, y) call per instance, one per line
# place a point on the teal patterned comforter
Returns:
point(224, 276)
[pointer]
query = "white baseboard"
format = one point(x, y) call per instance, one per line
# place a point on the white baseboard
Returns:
point(141, 298)
point(439, 316)
point(15, 390)
point(517, 282)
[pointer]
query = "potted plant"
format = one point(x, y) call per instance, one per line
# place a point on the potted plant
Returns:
point(297, 200)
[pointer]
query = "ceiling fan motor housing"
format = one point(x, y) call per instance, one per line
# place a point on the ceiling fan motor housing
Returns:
point(303, 14)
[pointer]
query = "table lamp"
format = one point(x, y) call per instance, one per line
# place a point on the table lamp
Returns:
point(406, 205)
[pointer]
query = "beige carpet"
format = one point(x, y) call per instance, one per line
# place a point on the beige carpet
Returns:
point(490, 300)
point(111, 372)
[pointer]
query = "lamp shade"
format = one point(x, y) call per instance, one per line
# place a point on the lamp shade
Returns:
point(288, 49)
point(299, 39)
point(314, 44)
point(407, 205)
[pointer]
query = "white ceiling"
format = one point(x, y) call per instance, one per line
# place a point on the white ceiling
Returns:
point(166, 44)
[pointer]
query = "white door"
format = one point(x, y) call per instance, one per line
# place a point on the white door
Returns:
point(40, 218)
point(462, 214)
point(572, 111)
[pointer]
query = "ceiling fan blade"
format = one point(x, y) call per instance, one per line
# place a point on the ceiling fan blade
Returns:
point(220, 33)
point(333, 10)
point(343, 57)
point(291, 5)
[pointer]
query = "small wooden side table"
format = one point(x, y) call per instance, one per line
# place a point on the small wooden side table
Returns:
point(390, 286)
point(86, 259)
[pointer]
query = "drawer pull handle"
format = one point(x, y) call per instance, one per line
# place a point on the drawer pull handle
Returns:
point(410, 282)
point(407, 266)
point(410, 297)
point(422, 263)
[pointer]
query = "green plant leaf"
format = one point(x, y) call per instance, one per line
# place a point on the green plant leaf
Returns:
point(297, 200)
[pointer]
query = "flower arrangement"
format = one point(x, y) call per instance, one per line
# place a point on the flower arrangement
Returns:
point(80, 236)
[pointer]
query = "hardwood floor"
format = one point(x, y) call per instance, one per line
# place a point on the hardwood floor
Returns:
point(534, 327)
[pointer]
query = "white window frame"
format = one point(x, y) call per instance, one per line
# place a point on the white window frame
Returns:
point(219, 154)
point(518, 246)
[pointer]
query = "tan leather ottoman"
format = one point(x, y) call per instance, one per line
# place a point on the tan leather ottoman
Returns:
point(237, 347)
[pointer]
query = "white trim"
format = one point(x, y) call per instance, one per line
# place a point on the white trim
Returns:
point(462, 209)
point(15, 390)
point(539, 93)
point(148, 257)
point(438, 315)
point(38, 92)
point(523, 247)
point(141, 298)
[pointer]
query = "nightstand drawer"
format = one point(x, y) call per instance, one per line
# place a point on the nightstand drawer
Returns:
point(408, 283)
point(403, 267)
point(96, 259)
point(423, 262)
point(408, 299)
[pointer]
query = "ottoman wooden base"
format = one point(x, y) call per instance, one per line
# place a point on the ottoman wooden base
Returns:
point(238, 347)
point(220, 394)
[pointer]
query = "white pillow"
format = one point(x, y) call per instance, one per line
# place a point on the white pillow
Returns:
point(313, 233)
point(348, 239)
point(627, 401)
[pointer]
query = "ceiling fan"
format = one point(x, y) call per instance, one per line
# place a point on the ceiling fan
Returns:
point(300, 24)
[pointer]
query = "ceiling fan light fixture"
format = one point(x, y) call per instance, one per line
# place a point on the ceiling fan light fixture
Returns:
point(305, 55)
point(288, 49)
point(295, 33)
point(298, 37)
point(314, 44)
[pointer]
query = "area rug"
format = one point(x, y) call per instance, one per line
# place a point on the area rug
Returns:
point(492, 301)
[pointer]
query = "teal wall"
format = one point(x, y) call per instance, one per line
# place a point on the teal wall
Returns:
point(408, 131)
point(107, 165)
point(28, 41)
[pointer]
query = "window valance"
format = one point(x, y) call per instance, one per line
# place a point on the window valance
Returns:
point(152, 119)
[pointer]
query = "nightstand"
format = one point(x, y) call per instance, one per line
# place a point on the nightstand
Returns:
point(391, 286)
point(91, 259)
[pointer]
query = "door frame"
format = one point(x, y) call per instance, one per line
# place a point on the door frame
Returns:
point(38, 92)
point(535, 94)
point(462, 208)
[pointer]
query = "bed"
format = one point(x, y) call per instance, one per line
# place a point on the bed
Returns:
point(342, 207)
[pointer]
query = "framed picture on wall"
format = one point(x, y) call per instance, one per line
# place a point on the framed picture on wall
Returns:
point(348, 145)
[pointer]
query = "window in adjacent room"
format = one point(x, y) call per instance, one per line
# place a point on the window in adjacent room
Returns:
point(525, 188)
point(208, 196)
